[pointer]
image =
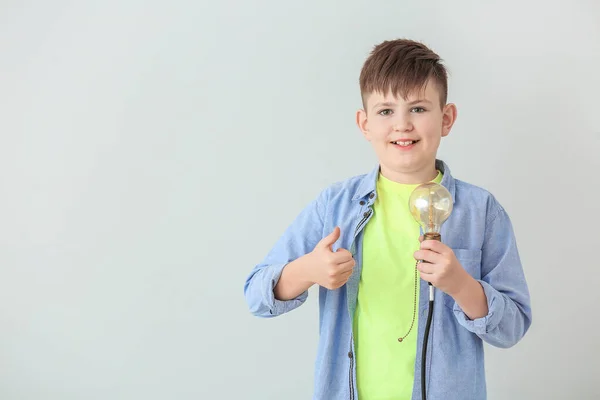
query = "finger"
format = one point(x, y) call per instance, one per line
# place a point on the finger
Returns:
point(341, 256)
point(328, 241)
point(347, 267)
point(341, 282)
point(426, 268)
point(343, 278)
point(428, 256)
point(427, 277)
point(434, 245)
point(346, 275)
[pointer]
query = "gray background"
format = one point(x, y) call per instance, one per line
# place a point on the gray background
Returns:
point(152, 153)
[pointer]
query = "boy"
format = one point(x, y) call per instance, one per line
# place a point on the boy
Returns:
point(358, 241)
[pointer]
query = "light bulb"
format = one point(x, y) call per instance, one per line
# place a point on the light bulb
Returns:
point(431, 205)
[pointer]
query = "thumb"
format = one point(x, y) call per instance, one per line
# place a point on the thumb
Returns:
point(330, 239)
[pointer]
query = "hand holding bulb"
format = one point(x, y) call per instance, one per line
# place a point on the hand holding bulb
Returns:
point(441, 267)
point(431, 205)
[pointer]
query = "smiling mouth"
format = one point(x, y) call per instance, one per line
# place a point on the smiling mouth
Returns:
point(405, 143)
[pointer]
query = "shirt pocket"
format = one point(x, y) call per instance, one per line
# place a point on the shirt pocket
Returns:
point(471, 262)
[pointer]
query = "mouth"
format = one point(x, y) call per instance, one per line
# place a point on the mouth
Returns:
point(404, 144)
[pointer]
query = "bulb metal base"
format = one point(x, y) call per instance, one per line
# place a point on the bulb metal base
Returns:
point(432, 236)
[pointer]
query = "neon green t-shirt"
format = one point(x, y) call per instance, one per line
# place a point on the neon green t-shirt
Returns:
point(386, 296)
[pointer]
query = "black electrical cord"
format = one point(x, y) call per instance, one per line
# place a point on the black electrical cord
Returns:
point(438, 237)
point(425, 340)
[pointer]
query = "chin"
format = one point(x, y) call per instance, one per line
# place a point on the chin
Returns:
point(407, 166)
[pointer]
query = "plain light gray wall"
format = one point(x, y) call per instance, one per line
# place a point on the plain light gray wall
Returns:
point(152, 153)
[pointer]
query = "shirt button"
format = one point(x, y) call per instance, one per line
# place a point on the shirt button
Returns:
point(372, 195)
point(362, 202)
point(349, 354)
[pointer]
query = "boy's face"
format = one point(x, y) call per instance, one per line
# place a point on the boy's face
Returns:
point(406, 133)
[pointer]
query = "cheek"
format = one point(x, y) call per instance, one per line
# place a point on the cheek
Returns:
point(379, 132)
point(431, 129)
point(380, 140)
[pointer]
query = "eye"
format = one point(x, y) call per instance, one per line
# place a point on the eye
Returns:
point(417, 110)
point(385, 112)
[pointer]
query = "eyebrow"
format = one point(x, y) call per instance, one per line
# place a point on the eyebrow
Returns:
point(386, 104)
point(392, 104)
point(412, 103)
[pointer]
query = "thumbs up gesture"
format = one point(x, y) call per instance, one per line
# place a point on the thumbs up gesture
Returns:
point(331, 269)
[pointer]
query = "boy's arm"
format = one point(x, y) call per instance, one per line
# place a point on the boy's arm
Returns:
point(294, 280)
point(504, 285)
point(299, 239)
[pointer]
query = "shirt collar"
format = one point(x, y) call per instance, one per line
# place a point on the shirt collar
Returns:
point(368, 185)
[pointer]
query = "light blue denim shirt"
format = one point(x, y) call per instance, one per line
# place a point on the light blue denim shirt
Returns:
point(481, 235)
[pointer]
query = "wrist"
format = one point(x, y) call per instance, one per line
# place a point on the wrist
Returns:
point(294, 280)
point(471, 298)
point(306, 271)
point(464, 286)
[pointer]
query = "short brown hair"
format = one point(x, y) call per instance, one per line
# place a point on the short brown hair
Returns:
point(402, 66)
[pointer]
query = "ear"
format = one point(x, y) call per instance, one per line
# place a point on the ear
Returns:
point(448, 118)
point(362, 122)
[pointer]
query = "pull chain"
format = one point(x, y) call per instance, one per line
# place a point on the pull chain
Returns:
point(400, 339)
point(426, 236)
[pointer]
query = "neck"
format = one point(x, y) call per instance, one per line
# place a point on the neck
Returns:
point(410, 177)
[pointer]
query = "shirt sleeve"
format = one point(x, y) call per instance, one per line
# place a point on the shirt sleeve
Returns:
point(503, 281)
point(300, 238)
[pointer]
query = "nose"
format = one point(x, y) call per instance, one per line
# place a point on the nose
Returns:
point(402, 123)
